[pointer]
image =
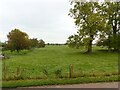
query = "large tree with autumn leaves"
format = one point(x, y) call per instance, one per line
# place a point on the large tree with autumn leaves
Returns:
point(18, 40)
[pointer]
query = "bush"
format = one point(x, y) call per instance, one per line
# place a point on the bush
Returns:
point(41, 43)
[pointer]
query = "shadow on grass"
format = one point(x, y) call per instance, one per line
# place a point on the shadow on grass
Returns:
point(104, 50)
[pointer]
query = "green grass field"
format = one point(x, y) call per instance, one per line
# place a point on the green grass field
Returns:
point(42, 64)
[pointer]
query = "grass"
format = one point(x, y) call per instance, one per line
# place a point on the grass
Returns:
point(43, 62)
point(42, 82)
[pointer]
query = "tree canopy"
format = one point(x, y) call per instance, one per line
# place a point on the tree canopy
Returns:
point(94, 20)
point(18, 40)
point(111, 10)
point(41, 43)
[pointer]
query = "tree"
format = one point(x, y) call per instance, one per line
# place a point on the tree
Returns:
point(4, 46)
point(110, 42)
point(74, 41)
point(112, 13)
point(34, 42)
point(41, 43)
point(18, 40)
point(89, 22)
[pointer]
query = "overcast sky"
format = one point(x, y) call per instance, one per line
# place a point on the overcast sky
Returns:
point(42, 19)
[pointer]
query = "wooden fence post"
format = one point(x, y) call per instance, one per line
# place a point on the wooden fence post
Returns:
point(71, 71)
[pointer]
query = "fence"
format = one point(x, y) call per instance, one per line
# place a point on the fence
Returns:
point(58, 73)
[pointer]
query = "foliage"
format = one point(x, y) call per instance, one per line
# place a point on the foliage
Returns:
point(111, 35)
point(74, 41)
point(95, 20)
point(111, 42)
point(37, 43)
point(89, 22)
point(34, 42)
point(18, 40)
point(102, 42)
point(41, 43)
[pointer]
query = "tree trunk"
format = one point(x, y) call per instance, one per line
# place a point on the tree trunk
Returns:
point(90, 45)
point(17, 50)
point(109, 48)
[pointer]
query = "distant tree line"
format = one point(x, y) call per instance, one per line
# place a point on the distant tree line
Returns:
point(18, 40)
point(96, 20)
